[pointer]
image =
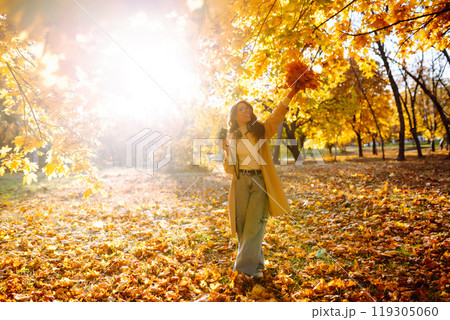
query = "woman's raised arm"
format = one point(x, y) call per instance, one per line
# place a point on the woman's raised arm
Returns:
point(276, 117)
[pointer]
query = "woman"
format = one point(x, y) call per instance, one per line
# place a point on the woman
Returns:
point(255, 187)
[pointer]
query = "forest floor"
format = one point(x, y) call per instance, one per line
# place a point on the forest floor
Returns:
point(360, 230)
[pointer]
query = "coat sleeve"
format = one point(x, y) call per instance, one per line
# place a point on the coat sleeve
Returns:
point(229, 168)
point(276, 117)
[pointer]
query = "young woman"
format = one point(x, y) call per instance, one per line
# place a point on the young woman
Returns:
point(255, 187)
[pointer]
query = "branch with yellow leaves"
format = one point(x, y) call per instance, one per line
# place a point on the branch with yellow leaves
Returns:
point(26, 99)
point(334, 15)
point(437, 13)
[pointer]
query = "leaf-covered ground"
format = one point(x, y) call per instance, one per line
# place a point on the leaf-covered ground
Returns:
point(360, 231)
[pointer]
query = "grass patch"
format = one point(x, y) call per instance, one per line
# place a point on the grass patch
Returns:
point(404, 252)
point(12, 188)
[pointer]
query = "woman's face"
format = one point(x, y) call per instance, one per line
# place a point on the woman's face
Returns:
point(243, 114)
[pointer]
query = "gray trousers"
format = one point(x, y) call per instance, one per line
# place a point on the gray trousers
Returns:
point(252, 205)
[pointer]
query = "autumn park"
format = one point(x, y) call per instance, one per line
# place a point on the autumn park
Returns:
point(208, 150)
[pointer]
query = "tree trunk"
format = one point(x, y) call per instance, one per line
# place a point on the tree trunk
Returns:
point(446, 55)
point(374, 144)
point(360, 148)
point(293, 150)
point(417, 141)
point(290, 133)
point(358, 137)
point(412, 120)
point(276, 149)
point(416, 138)
point(398, 103)
point(301, 142)
point(370, 106)
point(336, 143)
point(112, 155)
point(433, 133)
point(437, 104)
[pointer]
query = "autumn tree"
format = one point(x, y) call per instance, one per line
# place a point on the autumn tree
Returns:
point(416, 26)
point(9, 127)
point(432, 92)
point(68, 139)
point(65, 116)
point(260, 38)
point(410, 94)
point(368, 90)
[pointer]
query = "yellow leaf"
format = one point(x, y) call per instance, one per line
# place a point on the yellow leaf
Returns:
point(361, 41)
point(87, 193)
point(19, 141)
point(214, 286)
point(447, 255)
point(389, 253)
point(30, 177)
point(36, 143)
point(257, 290)
point(14, 165)
point(4, 151)
point(29, 166)
point(3, 93)
point(292, 54)
point(50, 168)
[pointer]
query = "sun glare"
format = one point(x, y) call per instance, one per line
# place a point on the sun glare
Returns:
point(148, 68)
point(194, 4)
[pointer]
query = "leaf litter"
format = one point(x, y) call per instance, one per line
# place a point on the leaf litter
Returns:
point(359, 231)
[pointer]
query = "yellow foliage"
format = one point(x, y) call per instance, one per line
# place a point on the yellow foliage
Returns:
point(30, 177)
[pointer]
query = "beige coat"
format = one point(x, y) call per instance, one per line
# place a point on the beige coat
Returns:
point(278, 204)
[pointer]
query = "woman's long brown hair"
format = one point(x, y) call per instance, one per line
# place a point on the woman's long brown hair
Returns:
point(254, 125)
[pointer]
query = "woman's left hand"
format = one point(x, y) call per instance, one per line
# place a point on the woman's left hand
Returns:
point(294, 90)
point(225, 145)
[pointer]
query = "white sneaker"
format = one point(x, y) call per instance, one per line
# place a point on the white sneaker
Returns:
point(258, 275)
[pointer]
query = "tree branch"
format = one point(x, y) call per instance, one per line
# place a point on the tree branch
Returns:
point(446, 8)
point(26, 99)
point(302, 14)
point(259, 32)
point(413, 32)
point(20, 53)
point(446, 55)
point(445, 87)
point(334, 15)
point(369, 104)
point(297, 124)
point(37, 96)
point(433, 98)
